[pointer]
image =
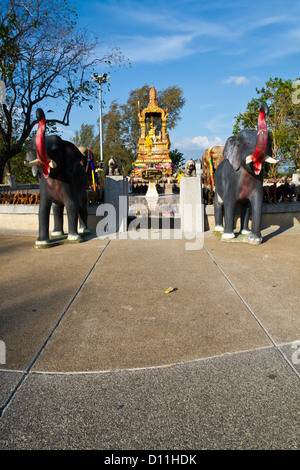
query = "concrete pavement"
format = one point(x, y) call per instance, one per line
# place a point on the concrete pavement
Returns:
point(98, 356)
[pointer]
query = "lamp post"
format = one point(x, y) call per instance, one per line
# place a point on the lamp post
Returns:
point(100, 79)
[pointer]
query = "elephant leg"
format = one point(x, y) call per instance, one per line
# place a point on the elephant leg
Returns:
point(44, 214)
point(58, 214)
point(83, 215)
point(229, 206)
point(245, 210)
point(218, 207)
point(72, 213)
point(256, 205)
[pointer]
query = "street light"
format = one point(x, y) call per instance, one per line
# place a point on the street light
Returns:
point(100, 79)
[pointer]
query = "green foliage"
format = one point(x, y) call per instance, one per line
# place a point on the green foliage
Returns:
point(86, 138)
point(130, 116)
point(114, 141)
point(22, 173)
point(176, 157)
point(283, 122)
point(172, 99)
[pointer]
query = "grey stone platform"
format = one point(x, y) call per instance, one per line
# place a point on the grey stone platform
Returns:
point(98, 356)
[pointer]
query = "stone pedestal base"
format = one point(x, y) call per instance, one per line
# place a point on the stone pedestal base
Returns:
point(116, 194)
point(191, 205)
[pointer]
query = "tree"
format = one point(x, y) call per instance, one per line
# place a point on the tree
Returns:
point(15, 166)
point(86, 137)
point(131, 118)
point(283, 122)
point(114, 138)
point(44, 58)
point(176, 157)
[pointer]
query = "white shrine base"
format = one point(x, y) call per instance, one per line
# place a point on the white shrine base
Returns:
point(152, 191)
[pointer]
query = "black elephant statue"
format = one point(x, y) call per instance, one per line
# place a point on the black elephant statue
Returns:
point(63, 183)
point(239, 179)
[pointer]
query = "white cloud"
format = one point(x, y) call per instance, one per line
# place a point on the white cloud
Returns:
point(205, 106)
point(172, 30)
point(238, 80)
point(198, 142)
point(161, 48)
point(287, 44)
point(220, 123)
point(170, 20)
point(167, 34)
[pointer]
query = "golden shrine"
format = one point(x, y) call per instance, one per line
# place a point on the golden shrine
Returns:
point(153, 159)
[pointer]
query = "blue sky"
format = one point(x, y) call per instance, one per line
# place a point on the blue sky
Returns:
point(217, 52)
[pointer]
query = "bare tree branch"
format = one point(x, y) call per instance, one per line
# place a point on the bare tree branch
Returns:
point(43, 57)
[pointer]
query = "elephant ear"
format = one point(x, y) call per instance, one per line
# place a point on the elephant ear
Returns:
point(232, 152)
point(73, 156)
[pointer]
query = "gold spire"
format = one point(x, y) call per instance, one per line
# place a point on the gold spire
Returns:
point(153, 96)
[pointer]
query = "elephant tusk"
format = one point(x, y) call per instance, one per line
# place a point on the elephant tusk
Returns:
point(35, 162)
point(271, 160)
point(267, 159)
point(32, 163)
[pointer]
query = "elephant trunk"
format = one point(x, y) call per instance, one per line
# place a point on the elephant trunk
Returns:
point(43, 158)
point(261, 143)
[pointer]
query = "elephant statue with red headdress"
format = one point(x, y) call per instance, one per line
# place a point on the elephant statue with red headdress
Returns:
point(239, 179)
point(63, 183)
